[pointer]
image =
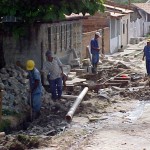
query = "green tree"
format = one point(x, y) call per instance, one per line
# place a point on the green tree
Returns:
point(30, 11)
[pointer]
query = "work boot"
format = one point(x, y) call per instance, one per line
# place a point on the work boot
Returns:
point(36, 115)
point(94, 70)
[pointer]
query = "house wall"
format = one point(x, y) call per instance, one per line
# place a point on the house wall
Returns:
point(66, 38)
point(114, 45)
point(41, 38)
point(106, 40)
point(125, 32)
point(144, 23)
point(115, 38)
point(95, 22)
point(135, 29)
point(23, 48)
point(86, 39)
point(146, 28)
point(136, 24)
point(147, 24)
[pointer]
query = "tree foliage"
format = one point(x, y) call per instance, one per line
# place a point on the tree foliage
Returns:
point(30, 11)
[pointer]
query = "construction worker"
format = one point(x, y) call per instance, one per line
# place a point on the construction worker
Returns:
point(35, 87)
point(64, 79)
point(53, 66)
point(95, 49)
point(147, 55)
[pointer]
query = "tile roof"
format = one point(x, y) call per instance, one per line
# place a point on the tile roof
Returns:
point(143, 6)
point(123, 10)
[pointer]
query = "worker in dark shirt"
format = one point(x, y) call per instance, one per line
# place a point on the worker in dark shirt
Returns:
point(35, 88)
point(95, 50)
point(147, 56)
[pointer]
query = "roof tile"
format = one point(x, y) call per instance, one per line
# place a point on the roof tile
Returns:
point(143, 6)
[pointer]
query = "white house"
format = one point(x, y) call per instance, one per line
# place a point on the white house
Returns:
point(115, 32)
point(119, 27)
point(143, 25)
point(136, 24)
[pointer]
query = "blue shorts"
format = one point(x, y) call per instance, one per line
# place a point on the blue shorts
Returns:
point(36, 102)
point(95, 58)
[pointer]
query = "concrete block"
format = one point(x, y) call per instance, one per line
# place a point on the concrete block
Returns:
point(74, 81)
point(71, 76)
point(73, 73)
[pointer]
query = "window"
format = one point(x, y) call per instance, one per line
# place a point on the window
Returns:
point(123, 28)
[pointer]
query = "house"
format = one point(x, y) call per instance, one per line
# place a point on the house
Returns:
point(144, 11)
point(64, 38)
point(98, 22)
point(136, 25)
point(114, 26)
point(119, 26)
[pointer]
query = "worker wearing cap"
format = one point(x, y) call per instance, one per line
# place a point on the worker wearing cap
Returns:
point(147, 56)
point(35, 87)
point(53, 66)
point(95, 51)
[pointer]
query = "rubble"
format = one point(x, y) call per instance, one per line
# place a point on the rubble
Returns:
point(15, 85)
point(117, 80)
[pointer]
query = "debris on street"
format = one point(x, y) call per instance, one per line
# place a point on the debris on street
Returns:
point(118, 80)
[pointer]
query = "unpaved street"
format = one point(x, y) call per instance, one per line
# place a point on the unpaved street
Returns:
point(114, 114)
point(122, 125)
point(122, 134)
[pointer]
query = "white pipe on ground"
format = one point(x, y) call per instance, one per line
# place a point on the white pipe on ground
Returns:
point(69, 96)
point(78, 100)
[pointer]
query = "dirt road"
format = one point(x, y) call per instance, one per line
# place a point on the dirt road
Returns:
point(124, 125)
point(112, 115)
point(124, 132)
point(125, 129)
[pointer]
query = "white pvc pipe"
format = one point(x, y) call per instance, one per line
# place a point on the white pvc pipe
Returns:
point(76, 104)
point(69, 96)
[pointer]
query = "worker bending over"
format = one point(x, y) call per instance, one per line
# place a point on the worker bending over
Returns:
point(35, 88)
point(53, 66)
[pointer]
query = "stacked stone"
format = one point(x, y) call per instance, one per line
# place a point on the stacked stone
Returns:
point(15, 85)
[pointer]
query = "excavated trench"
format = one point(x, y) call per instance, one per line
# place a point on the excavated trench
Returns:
point(52, 120)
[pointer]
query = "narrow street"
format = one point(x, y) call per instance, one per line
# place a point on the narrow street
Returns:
point(123, 132)
point(114, 114)
point(75, 75)
point(122, 125)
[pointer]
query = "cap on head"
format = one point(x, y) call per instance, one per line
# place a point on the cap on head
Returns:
point(98, 34)
point(48, 53)
point(148, 40)
point(30, 65)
